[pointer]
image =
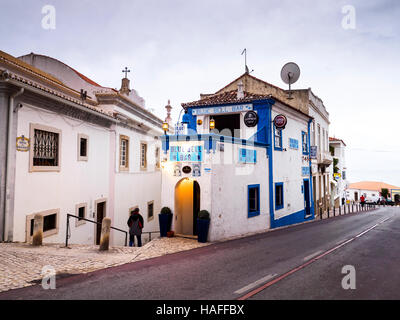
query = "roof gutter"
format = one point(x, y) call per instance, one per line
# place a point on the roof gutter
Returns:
point(70, 103)
point(7, 193)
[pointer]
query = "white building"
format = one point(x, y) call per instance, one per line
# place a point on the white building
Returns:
point(93, 152)
point(371, 190)
point(338, 177)
point(249, 175)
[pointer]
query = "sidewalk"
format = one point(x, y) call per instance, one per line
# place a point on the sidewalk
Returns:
point(21, 264)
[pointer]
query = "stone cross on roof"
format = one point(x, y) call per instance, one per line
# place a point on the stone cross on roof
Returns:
point(126, 72)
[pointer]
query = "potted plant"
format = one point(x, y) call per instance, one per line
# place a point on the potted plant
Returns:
point(165, 220)
point(203, 224)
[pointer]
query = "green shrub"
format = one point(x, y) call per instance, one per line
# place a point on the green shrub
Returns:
point(166, 210)
point(204, 214)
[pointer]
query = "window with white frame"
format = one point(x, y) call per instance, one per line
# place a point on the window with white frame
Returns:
point(45, 148)
point(304, 142)
point(83, 144)
point(143, 155)
point(80, 211)
point(123, 153)
point(278, 139)
point(50, 223)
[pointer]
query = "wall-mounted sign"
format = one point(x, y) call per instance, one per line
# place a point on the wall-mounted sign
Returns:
point(247, 156)
point(208, 170)
point(196, 169)
point(280, 121)
point(336, 176)
point(186, 169)
point(22, 144)
point(199, 122)
point(251, 118)
point(177, 169)
point(313, 152)
point(222, 109)
point(305, 171)
point(180, 129)
point(293, 143)
point(186, 153)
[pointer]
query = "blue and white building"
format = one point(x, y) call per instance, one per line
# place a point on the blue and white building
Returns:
point(233, 161)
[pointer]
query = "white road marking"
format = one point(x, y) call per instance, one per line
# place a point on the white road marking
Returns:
point(312, 255)
point(255, 284)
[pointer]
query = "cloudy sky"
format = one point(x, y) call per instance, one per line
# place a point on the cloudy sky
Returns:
point(177, 49)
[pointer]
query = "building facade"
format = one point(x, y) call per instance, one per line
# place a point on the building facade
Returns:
point(235, 163)
point(338, 179)
point(74, 147)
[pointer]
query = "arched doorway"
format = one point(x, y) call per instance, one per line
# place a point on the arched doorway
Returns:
point(187, 206)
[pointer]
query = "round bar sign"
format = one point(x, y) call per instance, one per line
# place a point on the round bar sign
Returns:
point(186, 169)
point(280, 121)
point(250, 118)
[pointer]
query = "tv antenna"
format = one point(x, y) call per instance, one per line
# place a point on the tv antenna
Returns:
point(290, 73)
point(246, 69)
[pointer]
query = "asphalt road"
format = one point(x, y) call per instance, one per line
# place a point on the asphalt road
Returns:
point(290, 263)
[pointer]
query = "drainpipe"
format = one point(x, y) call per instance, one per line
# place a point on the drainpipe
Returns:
point(8, 160)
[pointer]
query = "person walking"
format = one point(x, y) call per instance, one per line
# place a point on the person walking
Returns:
point(362, 200)
point(136, 224)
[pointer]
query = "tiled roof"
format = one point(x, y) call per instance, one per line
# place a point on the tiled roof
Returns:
point(226, 97)
point(371, 185)
point(336, 139)
point(27, 67)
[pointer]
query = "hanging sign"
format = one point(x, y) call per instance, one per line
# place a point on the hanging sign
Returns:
point(250, 118)
point(280, 121)
point(336, 176)
point(22, 144)
point(313, 152)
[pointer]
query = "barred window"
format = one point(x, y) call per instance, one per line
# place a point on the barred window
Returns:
point(45, 148)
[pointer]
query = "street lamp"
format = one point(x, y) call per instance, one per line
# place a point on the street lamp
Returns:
point(165, 127)
point(212, 123)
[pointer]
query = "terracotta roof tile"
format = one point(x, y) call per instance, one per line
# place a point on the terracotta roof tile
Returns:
point(226, 97)
point(371, 185)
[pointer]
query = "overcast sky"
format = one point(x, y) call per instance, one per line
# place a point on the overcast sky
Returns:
point(179, 49)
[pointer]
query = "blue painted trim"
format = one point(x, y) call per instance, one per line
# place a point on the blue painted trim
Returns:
point(309, 193)
point(270, 165)
point(278, 207)
point(165, 143)
point(251, 214)
point(309, 163)
point(293, 218)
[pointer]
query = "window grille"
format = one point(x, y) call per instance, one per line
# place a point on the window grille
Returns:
point(143, 155)
point(45, 148)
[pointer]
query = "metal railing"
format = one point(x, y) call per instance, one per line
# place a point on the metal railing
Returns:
point(68, 233)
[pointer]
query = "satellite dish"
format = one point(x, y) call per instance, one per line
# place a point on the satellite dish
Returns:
point(290, 73)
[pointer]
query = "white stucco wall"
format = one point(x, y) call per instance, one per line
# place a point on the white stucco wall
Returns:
point(288, 163)
point(137, 187)
point(223, 190)
point(76, 182)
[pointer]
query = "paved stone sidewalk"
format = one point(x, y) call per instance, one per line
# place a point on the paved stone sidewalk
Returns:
point(21, 264)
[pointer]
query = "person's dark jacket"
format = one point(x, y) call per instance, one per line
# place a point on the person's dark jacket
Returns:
point(136, 224)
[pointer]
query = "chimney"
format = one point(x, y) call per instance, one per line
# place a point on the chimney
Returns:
point(240, 91)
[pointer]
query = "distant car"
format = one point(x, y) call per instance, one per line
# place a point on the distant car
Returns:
point(372, 199)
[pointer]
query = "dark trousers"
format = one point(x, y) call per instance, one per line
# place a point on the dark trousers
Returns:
point(132, 240)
